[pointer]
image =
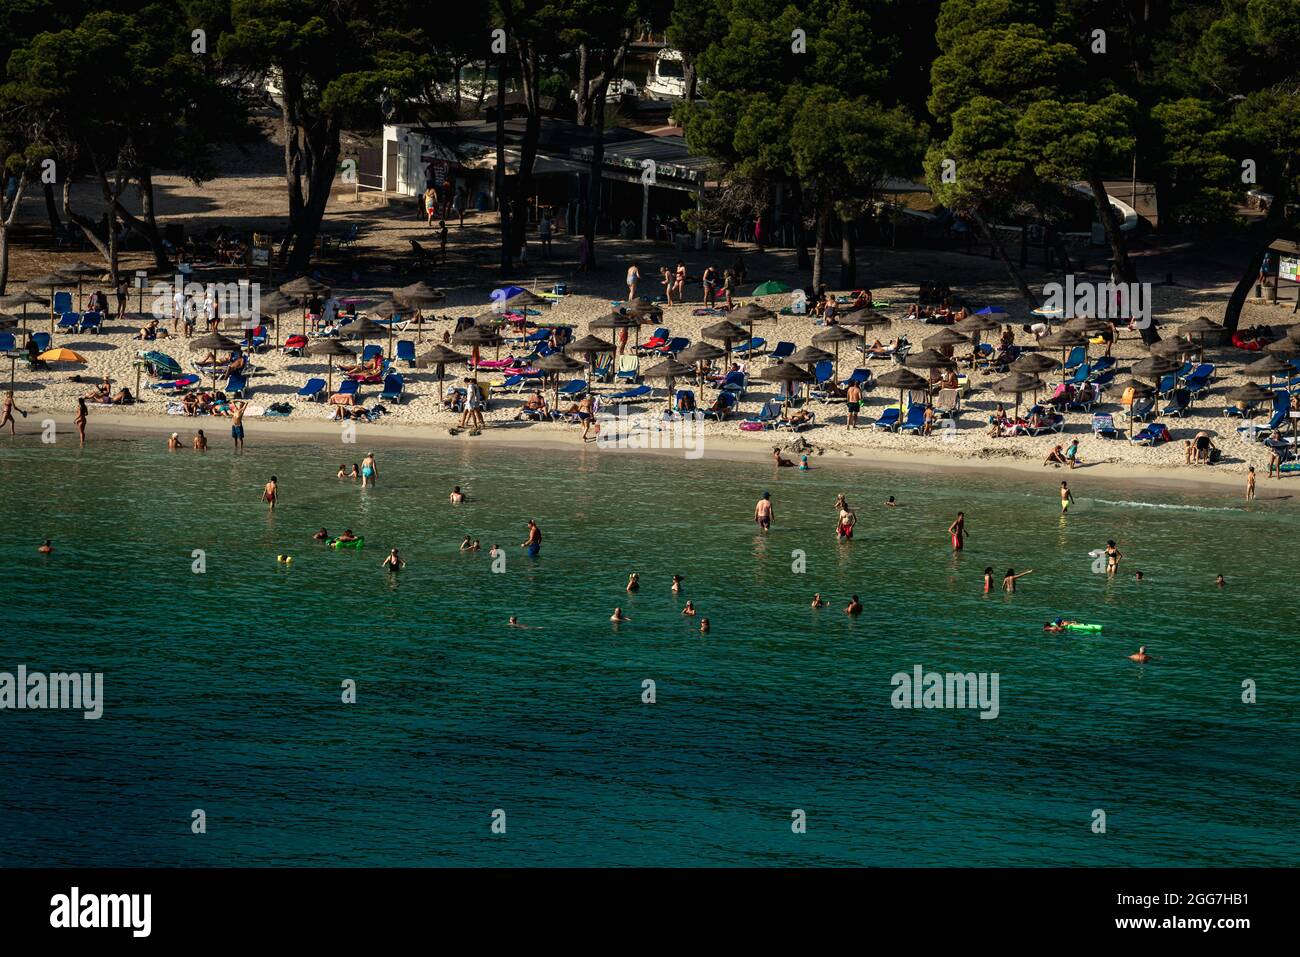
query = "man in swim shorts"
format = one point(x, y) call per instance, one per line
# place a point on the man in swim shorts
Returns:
point(763, 512)
point(844, 530)
point(853, 398)
point(271, 494)
point(534, 543)
point(1067, 497)
point(237, 422)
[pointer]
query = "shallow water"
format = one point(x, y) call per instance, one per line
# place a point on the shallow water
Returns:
point(223, 689)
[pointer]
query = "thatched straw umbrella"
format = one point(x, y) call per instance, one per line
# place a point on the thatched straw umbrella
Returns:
point(1269, 365)
point(864, 319)
point(1063, 339)
point(697, 354)
point(1154, 368)
point(943, 340)
point(1019, 383)
point(904, 380)
point(671, 370)
point(477, 336)
point(1034, 363)
point(588, 346)
point(214, 342)
point(1249, 395)
point(332, 348)
point(25, 298)
point(555, 365)
point(81, 271)
point(440, 357)
point(641, 306)
point(53, 282)
point(833, 336)
point(808, 357)
point(365, 330)
point(302, 288)
point(419, 295)
point(1173, 348)
point(620, 321)
point(726, 331)
point(1287, 348)
point(277, 303)
point(749, 314)
point(1201, 327)
point(787, 372)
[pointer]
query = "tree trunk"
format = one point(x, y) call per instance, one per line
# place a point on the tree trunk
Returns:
point(528, 148)
point(146, 225)
point(819, 257)
point(1012, 269)
point(503, 202)
point(597, 162)
point(585, 97)
point(482, 87)
point(802, 259)
point(291, 129)
point(52, 211)
point(7, 218)
point(322, 155)
point(1273, 227)
point(1125, 269)
point(87, 227)
point(848, 256)
point(691, 79)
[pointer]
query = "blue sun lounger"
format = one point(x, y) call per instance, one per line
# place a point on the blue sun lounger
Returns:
point(70, 320)
point(914, 422)
point(394, 386)
point(406, 351)
point(1103, 426)
point(90, 321)
point(751, 347)
point(631, 395)
point(1153, 434)
point(237, 385)
point(313, 390)
point(888, 420)
point(573, 388)
point(1281, 409)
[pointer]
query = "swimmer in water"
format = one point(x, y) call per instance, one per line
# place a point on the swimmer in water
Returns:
point(1113, 555)
point(818, 601)
point(514, 623)
point(704, 626)
point(347, 536)
point(854, 606)
point(677, 584)
point(343, 471)
point(958, 532)
point(633, 582)
point(369, 470)
point(1058, 624)
point(1137, 576)
point(1218, 580)
point(988, 579)
point(456, 496)
point(803, 463)
point(271, 493)
point(394, 562)
point(174, 442)
point(45, 547)
point(618, 616)
point(689, 610)
point(1067, 497)
point(321, 535)
point(1141, 655)
point(467, 544)
point(1010, 579)
point(763, 513)
point(844, 528)
point(891, 503)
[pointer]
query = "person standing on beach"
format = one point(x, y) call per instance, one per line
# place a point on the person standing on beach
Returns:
point(710, 284)
point(1250, 484)
point(237, 422)
point(271, 493)
point(853, 400)
point(7, 413)
point(633, 277)
point(369, 470)
point(82, 414)
point(1067, 497)
point(534, 542)
point(679, 282)
point(763, 513)
point(958, 532)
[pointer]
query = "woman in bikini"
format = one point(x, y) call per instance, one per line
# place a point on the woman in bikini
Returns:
point(7, 413)
point(82, 414)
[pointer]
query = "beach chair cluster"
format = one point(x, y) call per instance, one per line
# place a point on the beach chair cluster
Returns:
point(80, 322)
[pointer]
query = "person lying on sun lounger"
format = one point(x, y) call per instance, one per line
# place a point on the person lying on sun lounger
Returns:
point(366, 368)
point(796, 417)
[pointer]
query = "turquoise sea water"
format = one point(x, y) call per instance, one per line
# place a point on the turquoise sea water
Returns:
point(223, 689)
